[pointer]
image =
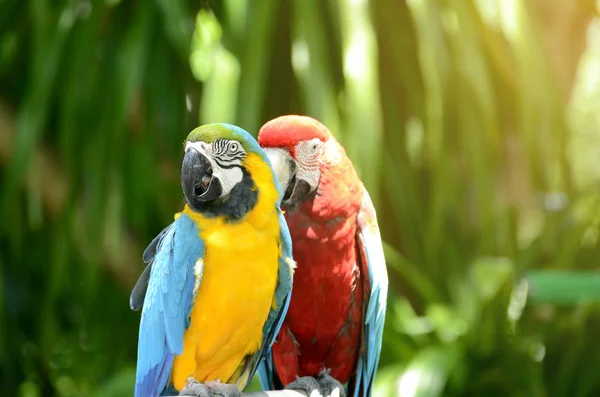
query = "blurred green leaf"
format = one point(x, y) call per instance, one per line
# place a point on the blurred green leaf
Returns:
point(448, 324)
point(362, 133)
point(427, 374)
point(29, 389)
point(518, 300)
point(217, 68)
point(410, 272)
point(119, 385)
point(49, 36)
point(178, 25)
point(489, 274)
point(386, 384)
point(205, 44)
point(221, 90)
point(254, 73)
point(311, 59)
point(564, 287)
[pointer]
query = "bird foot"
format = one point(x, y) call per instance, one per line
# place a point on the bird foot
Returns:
point(209, 389)
point(321, 386)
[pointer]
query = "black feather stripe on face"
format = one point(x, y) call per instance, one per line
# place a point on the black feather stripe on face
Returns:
point(223, 165)
point(219, 145)
point(222, 154)
point(231, 157)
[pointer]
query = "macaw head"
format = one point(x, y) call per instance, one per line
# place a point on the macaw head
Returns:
point(300, 149)
point(214, 174)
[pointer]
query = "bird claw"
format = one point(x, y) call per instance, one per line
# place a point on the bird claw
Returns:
point(321, 386)
point(210, 389)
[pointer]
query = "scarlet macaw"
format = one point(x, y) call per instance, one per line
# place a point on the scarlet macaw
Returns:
point(334, 326)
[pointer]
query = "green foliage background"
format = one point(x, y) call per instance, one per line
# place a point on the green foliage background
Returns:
point(474, 125)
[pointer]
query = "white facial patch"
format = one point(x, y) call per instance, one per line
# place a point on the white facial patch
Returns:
point(308, 157)
point(229, 178)
point(311, 176)
point(225, 157)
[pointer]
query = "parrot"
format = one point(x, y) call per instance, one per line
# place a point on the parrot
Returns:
point(332, 333)
point(218, 281)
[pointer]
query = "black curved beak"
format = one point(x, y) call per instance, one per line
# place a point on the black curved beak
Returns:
point(296, 191)
point(285, 167)
point(197, 180)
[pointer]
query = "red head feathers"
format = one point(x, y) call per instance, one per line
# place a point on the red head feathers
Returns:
point(287, 131)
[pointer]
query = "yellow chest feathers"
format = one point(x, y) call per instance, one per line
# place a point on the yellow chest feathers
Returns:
point(237, 288)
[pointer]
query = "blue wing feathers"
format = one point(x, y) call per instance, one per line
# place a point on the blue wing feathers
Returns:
point(150, 251)
point(164, 318)
point(285, 274)
point(369, 241)
point(283, 295)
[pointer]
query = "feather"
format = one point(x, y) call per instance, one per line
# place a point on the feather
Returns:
point(138, 294)
point(170, 283)
point(283, 294)
point(373, 264)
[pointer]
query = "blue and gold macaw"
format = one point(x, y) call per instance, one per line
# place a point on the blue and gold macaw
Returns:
point(220, 276)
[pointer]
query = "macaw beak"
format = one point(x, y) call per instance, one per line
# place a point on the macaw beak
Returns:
point(197, 180)
point(286, 168)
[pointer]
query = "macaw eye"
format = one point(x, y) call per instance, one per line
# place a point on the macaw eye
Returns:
point(233, 147)
point(313, 146)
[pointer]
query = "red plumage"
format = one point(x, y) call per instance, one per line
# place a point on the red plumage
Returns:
point(323, 326)
point(287, 131)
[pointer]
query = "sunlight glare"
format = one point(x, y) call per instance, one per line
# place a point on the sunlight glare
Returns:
point(300, 56)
